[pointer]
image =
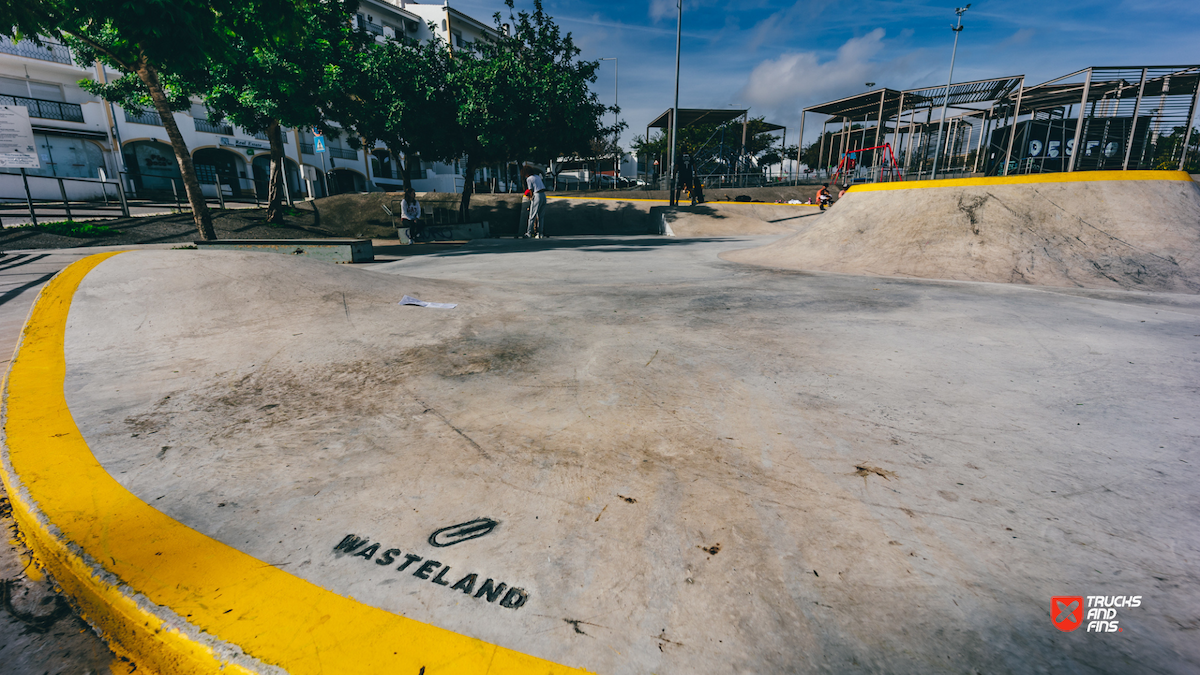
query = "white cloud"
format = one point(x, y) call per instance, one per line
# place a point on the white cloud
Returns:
point(661, 9)
point(779, 88)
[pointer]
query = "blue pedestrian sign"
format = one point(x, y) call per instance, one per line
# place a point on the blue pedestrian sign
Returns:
point(318, 141)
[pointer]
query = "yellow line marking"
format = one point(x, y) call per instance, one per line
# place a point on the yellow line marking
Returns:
point(667, 201)
point(1073, 177)
point(170, 598)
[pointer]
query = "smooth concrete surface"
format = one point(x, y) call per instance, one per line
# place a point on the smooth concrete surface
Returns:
point(690, 465)
point(329, 250)
point(718, 220)
point(1133, 234)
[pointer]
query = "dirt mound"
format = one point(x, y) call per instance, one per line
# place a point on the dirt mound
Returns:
point(1123, 231)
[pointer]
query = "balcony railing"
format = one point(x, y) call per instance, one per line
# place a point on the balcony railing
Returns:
point(144, 117)
point(50, 51)
point(47, 110)
point(342, 153)
point(208, 127)
point(306, 148)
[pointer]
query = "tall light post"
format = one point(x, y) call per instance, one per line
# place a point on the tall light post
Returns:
point(675, 109)
point(616, 120)
point(942, 120)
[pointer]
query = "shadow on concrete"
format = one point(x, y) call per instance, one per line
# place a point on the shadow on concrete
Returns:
point(592, 243)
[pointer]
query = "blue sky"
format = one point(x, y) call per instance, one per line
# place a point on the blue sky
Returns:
point(778, 56)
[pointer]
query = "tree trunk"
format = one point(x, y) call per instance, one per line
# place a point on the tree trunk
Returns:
point(275, 183)
point(464, 210)
point(403, 164)
point(149, 76)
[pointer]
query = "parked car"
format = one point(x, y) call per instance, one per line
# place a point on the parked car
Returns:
point(568, 182)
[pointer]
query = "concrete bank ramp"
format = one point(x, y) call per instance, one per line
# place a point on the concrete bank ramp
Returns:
point(723, 220)
point(1115, 229)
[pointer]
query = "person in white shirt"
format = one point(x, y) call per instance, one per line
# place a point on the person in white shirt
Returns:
point(410, 212)
point(536, 189)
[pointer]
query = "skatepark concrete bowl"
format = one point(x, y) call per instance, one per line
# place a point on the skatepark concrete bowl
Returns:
point(1096, 229)
point(614, 455)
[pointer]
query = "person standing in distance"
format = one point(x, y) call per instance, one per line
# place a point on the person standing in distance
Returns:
point(683, 179)
point(537, 202)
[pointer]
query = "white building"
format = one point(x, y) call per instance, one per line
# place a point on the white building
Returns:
point(78, 135)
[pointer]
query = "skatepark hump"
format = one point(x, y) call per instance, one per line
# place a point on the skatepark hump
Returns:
point(1135, 230)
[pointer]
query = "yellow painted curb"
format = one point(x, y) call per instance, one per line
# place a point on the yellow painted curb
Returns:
point(166, 596)
point(1073, 177)
point(667, 201)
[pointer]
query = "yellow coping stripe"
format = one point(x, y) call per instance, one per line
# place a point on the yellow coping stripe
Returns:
point(166, 596)
point(1072, 177)
point(667, 201)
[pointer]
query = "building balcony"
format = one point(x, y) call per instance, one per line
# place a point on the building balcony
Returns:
point(144, 117)
point(342, 153)
point(209, 127)
point(50, 51)
point(262, 135)
point(306, 148)
point(47, 110)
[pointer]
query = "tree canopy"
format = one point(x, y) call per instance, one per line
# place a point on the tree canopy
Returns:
point(164, 48)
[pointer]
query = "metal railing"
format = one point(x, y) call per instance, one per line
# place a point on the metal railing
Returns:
point(144, 117)
point(48, 110)
point(118, 205)
point(306, 148)
point(208, 126)
point(50, 51)
point(342, 153)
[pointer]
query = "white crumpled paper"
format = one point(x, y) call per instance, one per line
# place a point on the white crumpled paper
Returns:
point(410, 300)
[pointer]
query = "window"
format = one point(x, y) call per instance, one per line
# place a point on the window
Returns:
point(67, 157)
point(45, 91)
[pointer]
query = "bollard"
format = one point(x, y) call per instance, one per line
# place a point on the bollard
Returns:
point(121, 196)
point(62, 189)
point(28, 197)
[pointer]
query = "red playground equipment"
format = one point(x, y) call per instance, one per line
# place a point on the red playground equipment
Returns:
point(886, 170)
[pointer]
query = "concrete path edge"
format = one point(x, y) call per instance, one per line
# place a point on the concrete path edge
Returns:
point(163, 595)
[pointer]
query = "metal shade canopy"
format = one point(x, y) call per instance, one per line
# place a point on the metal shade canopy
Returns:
point(691, 116)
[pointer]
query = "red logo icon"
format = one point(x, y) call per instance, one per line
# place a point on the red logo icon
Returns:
point(1067, 612)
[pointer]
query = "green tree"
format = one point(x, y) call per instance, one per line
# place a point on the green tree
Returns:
point(163, 47)
point(522, 94)
point(268, 82)
point(399, 93)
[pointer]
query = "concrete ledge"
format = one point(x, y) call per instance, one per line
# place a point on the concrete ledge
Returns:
point(167, 597)
point(459, 232)
point(332, 250)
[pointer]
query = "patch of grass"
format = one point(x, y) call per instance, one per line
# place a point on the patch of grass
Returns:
point(189, 247)
point(71, 228)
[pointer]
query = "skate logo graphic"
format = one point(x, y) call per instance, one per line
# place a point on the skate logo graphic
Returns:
point(1067, 612)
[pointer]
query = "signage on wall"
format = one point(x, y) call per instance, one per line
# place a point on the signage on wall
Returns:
point(17, 147)
point(244, 143)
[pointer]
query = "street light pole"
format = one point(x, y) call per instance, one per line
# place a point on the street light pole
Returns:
point(675, 109)
point(616, 118)
point(942, 120)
